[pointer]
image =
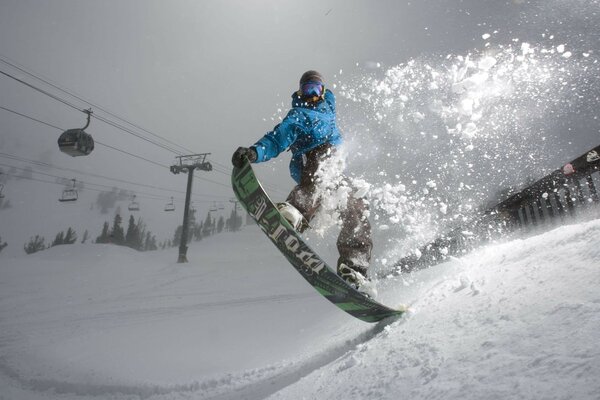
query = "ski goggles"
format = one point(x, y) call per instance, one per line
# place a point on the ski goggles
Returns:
point(310, 89)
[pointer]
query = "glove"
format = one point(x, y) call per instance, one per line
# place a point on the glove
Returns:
point(238, 157)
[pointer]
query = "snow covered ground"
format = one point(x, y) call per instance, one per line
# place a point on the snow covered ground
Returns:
point(517, 320)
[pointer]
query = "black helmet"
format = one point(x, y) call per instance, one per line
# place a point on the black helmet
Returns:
point(311, 86)
point(311, 76)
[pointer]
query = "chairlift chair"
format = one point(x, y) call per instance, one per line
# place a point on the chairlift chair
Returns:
point(170, 206)
point(69, 194)
point(214, 207)
point(76, 142)
point(134, 205)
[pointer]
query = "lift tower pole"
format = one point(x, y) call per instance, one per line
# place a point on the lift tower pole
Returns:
point(188, 164)
point(234, 225)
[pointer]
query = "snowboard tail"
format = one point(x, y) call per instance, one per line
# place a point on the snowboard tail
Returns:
point(257, 203)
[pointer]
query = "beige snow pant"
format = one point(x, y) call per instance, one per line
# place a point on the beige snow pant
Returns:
point(354, 242)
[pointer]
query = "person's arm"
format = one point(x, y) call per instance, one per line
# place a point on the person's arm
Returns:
point(280, 138)
point(273, 143)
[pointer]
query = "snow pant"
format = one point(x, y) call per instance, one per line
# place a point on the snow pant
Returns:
point(354, 242)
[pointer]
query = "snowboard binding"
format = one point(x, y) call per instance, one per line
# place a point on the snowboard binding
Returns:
point(293, 216)
point(356, 276)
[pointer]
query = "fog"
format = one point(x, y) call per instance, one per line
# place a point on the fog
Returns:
point(207, 77)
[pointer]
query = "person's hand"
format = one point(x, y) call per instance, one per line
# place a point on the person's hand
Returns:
point(238, 157)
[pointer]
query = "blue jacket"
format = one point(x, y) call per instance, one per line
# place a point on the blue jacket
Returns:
point(305, 127)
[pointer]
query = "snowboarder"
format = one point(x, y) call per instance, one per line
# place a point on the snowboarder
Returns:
point(310, 132)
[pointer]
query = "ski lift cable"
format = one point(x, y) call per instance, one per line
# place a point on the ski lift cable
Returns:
point(87, 184)
point(133, 133)
point(98, 142)
point(31, 118)
point(133, 155)
point(90, 174)
point(42, 91)
point(105, 186)
point(103, 119)
point(103, 177)
point(211, 181)
point(161, 199)
point(146, 196)
point(71, 93)
point(111, 147)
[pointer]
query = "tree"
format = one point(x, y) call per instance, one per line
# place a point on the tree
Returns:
point(141, 229)
point(35, 244)
point(177, 236)
point(208, 228)
point(2, 245)
point(58, 239)
point(70, 236)
point(150, 242)
point(132, 238)
point(220, 224)
point(104, 236)
point(117, 234)
point(86, 236)
point(198, 231)
point(234, 223)
point(192, 217)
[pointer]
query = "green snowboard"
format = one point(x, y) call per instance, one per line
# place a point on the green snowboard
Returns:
point(255, 200)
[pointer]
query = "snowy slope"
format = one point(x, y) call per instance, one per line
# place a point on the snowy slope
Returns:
point(517, 320)
point(514, 320)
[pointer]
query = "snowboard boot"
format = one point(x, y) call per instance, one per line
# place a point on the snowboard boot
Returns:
point(356, 276)
point(293, 216)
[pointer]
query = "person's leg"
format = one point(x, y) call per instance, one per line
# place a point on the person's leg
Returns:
point(354, 242)
point(304, 196)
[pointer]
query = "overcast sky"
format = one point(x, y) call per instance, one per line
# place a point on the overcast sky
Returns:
point(210, 75)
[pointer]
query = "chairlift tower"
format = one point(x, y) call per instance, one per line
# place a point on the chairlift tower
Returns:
point(188, 164)
point(235, 214)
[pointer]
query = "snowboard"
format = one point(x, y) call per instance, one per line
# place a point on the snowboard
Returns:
point(257, 203)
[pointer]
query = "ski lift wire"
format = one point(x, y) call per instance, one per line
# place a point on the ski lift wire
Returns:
point(91, 189)
point(71, 93)
point(42, 91)
point(102, 119)
point(43, 164)
point(107, 187)
point(97, 142)
point(112, 147)
point(133, 155)
point(31, 118)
